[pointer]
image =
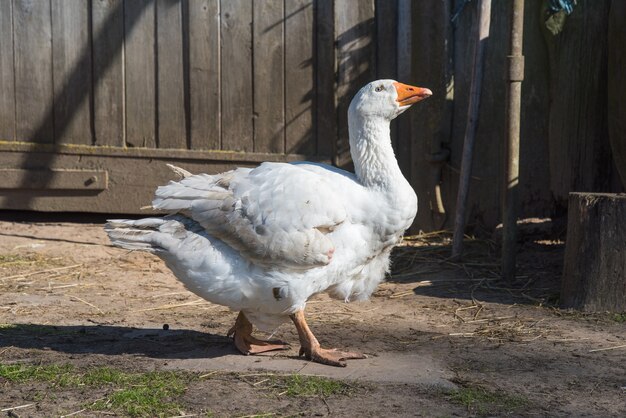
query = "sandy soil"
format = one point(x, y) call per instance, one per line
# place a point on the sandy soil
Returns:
point(434, 331)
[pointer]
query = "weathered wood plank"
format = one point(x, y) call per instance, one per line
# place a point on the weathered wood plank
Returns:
point(617, 86)
point(386, 38)
point(354, 26)
point(170, 79)
point(534, 190)
point(71, 71)
point(462, 50)
point(172, 154)
point(325, 71)
point(108, 72)
point(54, 179)
point(131, 182)
point(578, 132)
point(204, 74)
point(432, 50)
point(484, 192)
point(7, 75)
point(140, 77)
point(594, 270)
point(269, 76)
point(299, 77)
point(131, 179)
point(236, 75)
point(489, 166)
point(33, 71)
point(405, 67)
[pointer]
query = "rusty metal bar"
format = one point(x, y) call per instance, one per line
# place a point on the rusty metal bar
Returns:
point(510, 193)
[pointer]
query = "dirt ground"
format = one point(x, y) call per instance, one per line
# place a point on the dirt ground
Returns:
point(443, 338)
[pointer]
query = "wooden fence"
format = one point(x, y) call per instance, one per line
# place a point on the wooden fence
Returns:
point(564, 137)
point(115, 88)
point(202, 75)
point(97, 95)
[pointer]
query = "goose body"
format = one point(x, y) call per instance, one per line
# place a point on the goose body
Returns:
point(262, 241)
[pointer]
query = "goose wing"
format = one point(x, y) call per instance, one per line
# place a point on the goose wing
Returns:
point(276, 215)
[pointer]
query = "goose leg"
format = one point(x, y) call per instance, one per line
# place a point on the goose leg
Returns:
point(246, 343)
point(311, 349)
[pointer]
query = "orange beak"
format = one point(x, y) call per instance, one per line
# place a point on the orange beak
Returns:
point(407, 95)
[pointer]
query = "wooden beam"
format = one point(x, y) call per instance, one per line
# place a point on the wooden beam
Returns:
point(55, 179)
point(208, 156)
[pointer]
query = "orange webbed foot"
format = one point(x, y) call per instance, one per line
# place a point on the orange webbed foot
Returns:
point(330, 356)
point(247, 344)
point(311, 349)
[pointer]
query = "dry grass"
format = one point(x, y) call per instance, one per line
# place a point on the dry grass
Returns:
point(509, 328)
point(429, 252)
point(25, 273)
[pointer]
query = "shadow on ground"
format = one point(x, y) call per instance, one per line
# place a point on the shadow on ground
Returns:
point(115, 340)
point(477, 275)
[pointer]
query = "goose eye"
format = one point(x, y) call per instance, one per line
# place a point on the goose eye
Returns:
point(379, 88)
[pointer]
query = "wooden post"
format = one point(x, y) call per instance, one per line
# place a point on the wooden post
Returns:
point(594, 273)
point(511, 177)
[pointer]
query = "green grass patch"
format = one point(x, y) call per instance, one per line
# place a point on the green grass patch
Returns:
point(307, 386)
point(484, 402)
point(139, 394)
point(133, 394)
point(58, 375)
point(620, 318)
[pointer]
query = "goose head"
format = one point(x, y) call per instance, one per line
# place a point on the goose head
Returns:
point(386, 99)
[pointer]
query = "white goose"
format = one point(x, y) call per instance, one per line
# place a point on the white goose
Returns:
point(263, 241)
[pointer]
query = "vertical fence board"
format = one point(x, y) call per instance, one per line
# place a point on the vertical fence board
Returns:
point(140, 73)
point(617, 86)
point(386, 47)
point(170, 80)
point(71, 71)
point(204, 73)
point(269, 76)
point(404, 22)
point(236, 74)
point(431, 120)
point(535, 196)
point(386, 38)
point(7, 76)
point(299, 77)
point(579, 152)
point(354, 25)
point(489, 149)
point(325, 72)
point(33, 71)
point(108, 72)
point(463, 53)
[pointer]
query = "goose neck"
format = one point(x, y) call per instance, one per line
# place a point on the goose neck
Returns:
point(375, 163)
